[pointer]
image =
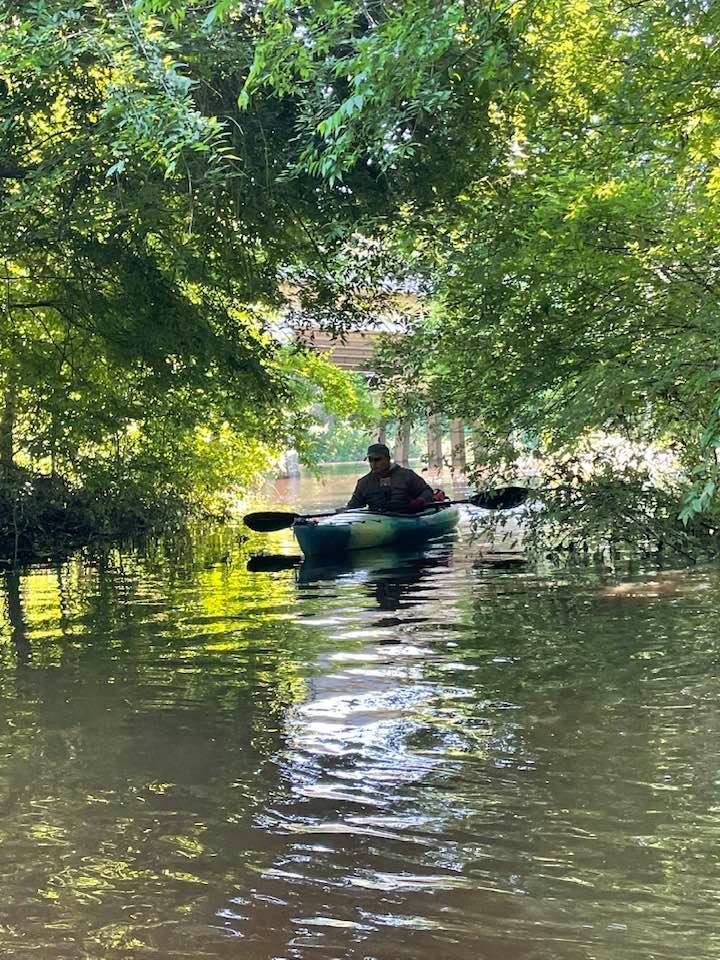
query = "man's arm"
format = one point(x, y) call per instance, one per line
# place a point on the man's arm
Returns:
point(358, 499)
point(419, 489)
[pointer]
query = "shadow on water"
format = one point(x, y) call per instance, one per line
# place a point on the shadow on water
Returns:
point(385, 574)
point(388, 576)
point(16, 619)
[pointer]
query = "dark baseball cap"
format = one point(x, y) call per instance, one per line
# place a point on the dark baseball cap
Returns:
point(377, 450)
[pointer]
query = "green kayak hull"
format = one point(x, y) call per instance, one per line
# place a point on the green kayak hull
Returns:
point(361, 530)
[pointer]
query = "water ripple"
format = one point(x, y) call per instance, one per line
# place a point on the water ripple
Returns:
point(396, 760)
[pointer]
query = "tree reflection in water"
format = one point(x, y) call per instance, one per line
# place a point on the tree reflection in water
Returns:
point(399, 758)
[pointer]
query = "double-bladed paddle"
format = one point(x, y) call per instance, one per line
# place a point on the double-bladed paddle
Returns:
point(504, 498)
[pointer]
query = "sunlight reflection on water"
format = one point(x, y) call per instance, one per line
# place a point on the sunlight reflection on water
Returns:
point(400, 757)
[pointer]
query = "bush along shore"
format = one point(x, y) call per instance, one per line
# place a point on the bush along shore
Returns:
point(42, 517)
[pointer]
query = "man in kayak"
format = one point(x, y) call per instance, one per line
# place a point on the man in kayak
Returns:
point(389, 488)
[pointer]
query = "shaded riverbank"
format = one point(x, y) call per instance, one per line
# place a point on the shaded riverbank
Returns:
point(44, 518)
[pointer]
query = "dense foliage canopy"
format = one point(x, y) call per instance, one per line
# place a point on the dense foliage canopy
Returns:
point(579, 281)
point(146, 238)
point(544, 172)
point(569, 233)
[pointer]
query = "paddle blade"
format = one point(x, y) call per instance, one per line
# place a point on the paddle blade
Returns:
point(505, 498)
point(267, 521)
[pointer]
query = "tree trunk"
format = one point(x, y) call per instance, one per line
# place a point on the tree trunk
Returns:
point(382, 431)
point(401, 453)
point(434, 436)
point(457, 439)
point(7, 429)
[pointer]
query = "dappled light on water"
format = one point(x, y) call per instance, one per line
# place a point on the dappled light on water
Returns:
point(397, 756)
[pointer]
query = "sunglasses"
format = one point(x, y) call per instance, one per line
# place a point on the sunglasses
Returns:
point(375, 459)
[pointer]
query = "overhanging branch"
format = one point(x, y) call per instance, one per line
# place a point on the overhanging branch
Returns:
point(13, 172)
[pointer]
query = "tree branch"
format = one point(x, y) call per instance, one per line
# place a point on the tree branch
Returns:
point(13, 172)
point(34, 304)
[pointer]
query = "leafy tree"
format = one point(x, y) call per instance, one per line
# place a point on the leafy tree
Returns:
point(577, 284)
point(544, 170)
point(146, 241)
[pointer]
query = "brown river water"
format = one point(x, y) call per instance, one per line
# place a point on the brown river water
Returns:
point(405, 756)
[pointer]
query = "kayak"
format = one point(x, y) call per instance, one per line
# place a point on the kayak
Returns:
point(360, 530)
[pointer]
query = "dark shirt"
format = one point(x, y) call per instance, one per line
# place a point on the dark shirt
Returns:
point(391, 492)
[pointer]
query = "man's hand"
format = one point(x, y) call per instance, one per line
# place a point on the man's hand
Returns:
point(416, 505)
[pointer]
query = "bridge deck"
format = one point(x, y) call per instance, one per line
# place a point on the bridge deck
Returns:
point(354, 352)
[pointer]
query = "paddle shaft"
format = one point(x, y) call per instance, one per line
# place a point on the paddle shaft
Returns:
point(270, 521)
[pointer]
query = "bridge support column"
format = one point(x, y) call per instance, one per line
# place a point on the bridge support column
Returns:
point(401, 453)
point(434, 440)
point(289, 465)
point(457, 440)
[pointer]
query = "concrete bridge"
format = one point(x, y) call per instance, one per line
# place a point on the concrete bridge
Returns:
point(354, 353)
